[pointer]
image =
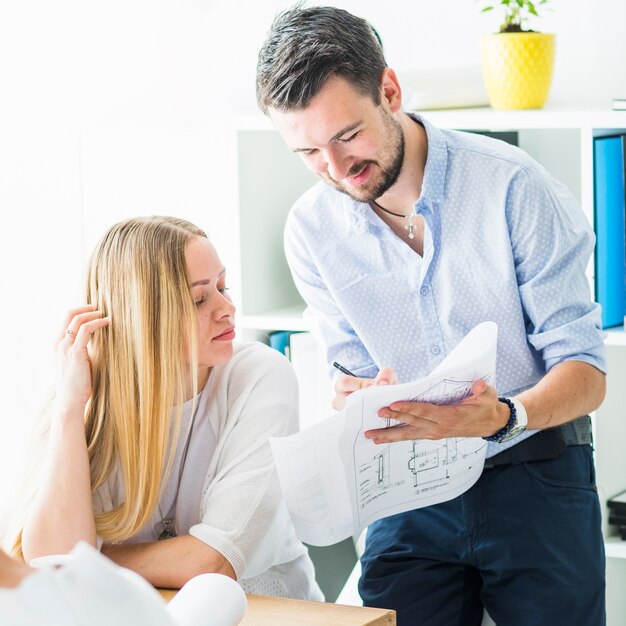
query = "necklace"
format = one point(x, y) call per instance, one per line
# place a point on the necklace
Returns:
point(409, 226)
point(167, 525)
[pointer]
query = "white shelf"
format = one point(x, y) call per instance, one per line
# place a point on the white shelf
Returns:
point(289, 318)
point(615, 336)
point(485, 118)
point(615, 548)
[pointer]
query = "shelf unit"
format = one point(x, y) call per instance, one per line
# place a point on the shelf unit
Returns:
point(270, 178)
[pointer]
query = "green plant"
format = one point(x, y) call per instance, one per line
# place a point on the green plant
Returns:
point(515, 13)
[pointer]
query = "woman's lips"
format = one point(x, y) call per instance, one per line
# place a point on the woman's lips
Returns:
point(227, 335)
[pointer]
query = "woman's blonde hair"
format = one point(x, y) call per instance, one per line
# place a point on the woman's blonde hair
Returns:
point(142, 363)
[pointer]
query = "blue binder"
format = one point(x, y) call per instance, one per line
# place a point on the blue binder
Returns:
point(610, 205)
point(279, 340)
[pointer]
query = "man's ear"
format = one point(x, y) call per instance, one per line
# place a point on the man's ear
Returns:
point(391, 90)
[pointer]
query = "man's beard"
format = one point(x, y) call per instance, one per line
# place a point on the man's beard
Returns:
point(388, 169)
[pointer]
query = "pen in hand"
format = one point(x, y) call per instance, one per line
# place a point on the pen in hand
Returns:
point(343, 370)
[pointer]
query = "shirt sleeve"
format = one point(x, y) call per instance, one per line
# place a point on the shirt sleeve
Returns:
point(332, 330)
point(552, 241)
point(243, 501)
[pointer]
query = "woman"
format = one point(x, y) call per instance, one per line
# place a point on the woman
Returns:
point(157, 440)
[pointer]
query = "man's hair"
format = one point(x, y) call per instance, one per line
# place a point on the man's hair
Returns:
point(307, 46)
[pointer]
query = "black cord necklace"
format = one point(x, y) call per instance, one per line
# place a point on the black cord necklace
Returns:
point(409, 226)
point(167, 525)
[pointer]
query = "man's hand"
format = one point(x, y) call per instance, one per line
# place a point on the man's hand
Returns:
point(346, 385)
point(481, 414)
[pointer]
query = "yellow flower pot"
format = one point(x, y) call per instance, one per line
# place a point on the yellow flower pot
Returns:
point(517, 69)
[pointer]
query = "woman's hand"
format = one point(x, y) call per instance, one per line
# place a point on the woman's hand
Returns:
point(62, 511)
point(73, 361)
point(346, 385)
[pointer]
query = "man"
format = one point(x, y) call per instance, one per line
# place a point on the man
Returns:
point(414, 236)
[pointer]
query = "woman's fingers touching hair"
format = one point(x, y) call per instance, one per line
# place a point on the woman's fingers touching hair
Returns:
point(69, 317)
point(82, 322)
point(74, 383)
point(88, 328)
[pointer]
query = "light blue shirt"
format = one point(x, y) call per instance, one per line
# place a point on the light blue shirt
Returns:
point(503, 241)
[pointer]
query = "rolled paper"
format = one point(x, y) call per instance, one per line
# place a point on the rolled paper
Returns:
point(209, 600)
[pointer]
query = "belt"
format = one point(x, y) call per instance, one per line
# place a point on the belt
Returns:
point(547, 444)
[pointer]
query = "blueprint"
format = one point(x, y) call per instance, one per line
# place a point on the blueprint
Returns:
point(336, 481)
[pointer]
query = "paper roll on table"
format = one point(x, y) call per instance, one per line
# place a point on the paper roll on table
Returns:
point(209, 600)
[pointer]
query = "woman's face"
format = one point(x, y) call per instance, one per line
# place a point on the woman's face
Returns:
point(216, 313)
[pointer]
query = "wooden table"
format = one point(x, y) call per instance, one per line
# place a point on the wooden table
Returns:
point(271, 611)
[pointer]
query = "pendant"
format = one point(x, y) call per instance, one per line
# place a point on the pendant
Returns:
point(409, 225)
point(168, 530)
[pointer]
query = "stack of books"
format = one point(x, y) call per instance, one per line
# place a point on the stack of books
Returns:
point(617, 513)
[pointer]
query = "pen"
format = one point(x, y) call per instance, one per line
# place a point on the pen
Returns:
point(343, 370)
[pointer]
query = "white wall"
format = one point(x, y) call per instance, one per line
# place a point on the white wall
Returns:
point(109, 109)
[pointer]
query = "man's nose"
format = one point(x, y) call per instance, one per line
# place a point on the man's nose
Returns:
point(337, 165)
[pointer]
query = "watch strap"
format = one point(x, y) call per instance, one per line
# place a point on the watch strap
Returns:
point(520, 412)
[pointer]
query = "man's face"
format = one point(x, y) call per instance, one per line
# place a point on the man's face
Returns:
point(346, 139)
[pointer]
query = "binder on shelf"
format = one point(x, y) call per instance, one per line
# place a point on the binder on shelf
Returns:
point(279, 340)
point(307, 359)
point(617, 513)
point(316, 388)
point(303, 355)
point(610, 205)
point(617, 504)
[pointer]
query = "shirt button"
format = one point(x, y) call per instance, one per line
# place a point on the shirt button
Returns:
point(424, 291)
point(435, 349)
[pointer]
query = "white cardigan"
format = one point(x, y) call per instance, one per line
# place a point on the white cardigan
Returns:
point(242, 513)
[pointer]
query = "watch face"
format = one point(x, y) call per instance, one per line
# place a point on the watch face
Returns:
point(518, 429)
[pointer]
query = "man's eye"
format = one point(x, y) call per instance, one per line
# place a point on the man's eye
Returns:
point(350, 138)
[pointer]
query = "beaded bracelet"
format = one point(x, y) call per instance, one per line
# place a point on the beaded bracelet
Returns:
point(497, 436)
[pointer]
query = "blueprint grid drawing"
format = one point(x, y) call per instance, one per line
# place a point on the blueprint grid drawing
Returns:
point(336, 481)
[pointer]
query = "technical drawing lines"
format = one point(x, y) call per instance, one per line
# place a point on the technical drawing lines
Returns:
point(383, 467)
point(447, 391)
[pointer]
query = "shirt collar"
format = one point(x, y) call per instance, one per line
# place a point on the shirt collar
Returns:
point(436, 163)
point(358, 215)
